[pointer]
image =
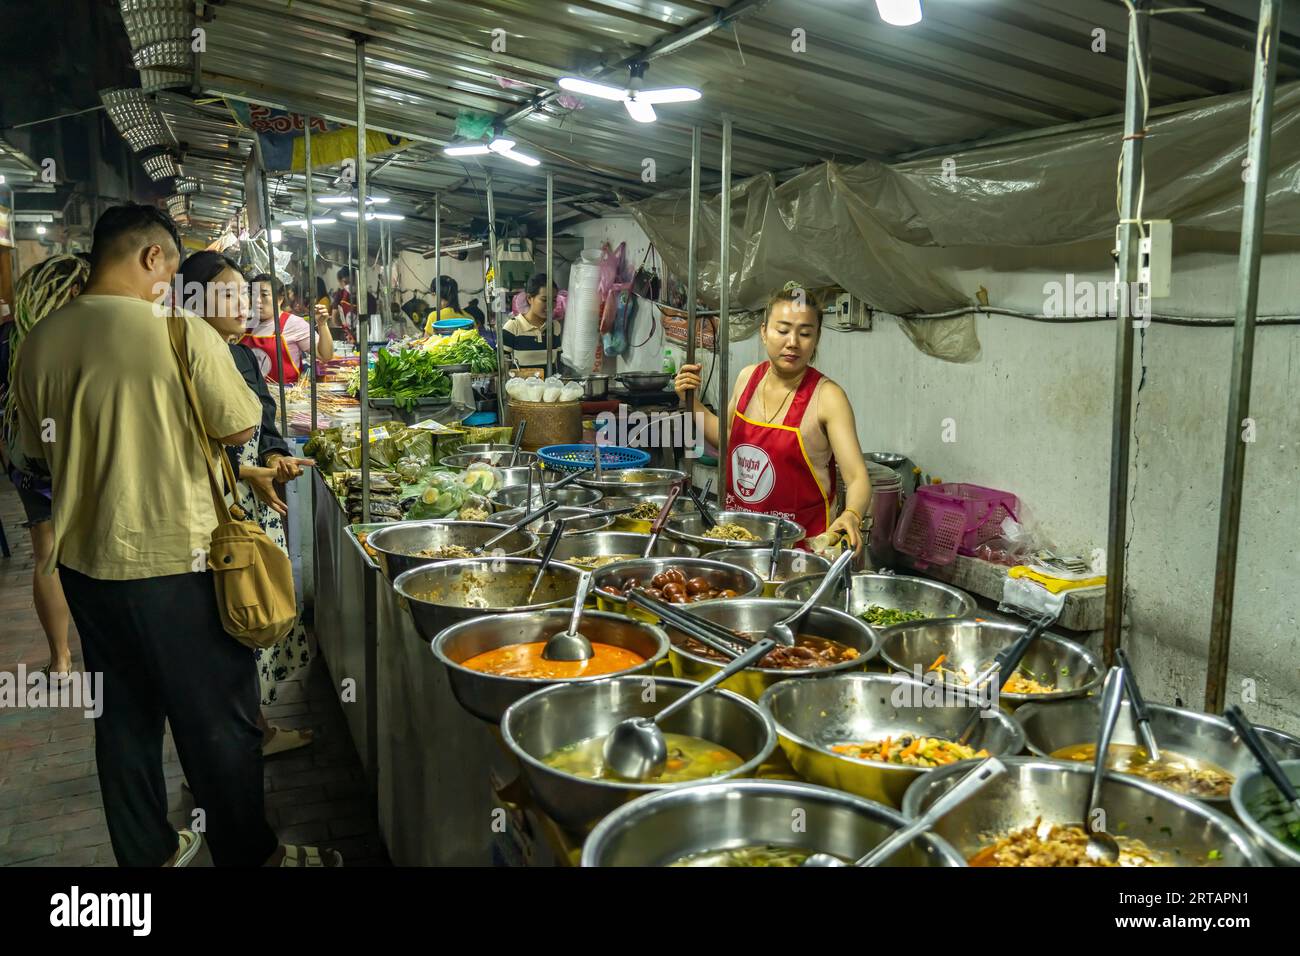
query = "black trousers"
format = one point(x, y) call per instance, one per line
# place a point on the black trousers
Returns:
point(159, 644)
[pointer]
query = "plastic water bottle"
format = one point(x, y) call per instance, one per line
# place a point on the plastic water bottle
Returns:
point(669, 365)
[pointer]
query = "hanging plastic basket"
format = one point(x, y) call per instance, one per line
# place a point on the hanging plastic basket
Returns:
point(579, 457)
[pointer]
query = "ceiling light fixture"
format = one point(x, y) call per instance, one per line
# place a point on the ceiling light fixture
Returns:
point(899, 13)
point(319, 221)
point(495, 142)
point(639, 103)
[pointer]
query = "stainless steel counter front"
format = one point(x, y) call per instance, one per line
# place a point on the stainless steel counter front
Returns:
point(344, 620)
point(436, 805)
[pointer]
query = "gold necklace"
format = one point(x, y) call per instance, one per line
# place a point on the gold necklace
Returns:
point(767, 417)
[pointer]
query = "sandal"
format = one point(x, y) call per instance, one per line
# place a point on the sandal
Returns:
point(285, 739)
point(190, 841)
point(310, 856)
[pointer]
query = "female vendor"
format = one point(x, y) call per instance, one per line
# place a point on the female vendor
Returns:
point(789, 426)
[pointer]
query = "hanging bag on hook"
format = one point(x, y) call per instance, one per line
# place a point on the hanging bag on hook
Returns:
point(646, 281)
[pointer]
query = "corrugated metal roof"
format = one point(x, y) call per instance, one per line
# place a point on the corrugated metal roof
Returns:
point(971, 69)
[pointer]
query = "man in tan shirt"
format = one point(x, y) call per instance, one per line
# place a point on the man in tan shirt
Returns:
point(101, 402)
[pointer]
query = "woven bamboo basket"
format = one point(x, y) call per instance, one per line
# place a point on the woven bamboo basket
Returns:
point(549, 423)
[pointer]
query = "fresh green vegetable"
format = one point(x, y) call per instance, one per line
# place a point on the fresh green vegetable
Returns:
point(405, 377)
point(464, 347)
point(878, 616)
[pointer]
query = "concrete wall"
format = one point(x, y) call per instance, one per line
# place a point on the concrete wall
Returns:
point(1033, 416)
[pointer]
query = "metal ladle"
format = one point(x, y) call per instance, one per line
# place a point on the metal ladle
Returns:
point(526, 519)
point(570, 645)
point(1102, 847)
point(969, 785)
point(785, 631)
point(635, 749)
point(1138, 705)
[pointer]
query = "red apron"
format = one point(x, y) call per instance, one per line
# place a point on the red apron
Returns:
point(266, 345)
point(770, 470)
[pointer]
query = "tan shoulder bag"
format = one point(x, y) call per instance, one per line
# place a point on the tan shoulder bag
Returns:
point(253, 577)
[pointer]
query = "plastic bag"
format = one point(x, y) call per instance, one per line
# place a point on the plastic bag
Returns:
point(612, 266)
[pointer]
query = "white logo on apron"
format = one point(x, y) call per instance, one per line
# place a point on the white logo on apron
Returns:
point(752, 473)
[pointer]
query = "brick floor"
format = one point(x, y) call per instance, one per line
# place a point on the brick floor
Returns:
point(51, 812)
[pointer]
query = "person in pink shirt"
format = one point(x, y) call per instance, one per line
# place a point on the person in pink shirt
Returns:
point(295, 331)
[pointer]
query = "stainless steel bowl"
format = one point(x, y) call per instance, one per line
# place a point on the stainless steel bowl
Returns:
point(753, 616)
point(634, 481)
point(564, 714)
point(1185, 830)
point(516, 496)
point(398, 543)
point(518, 475)
point(790, 563)
point(971, 645)
point(899, 592)
point(612, 502)
point(487, 696)
point(1263, 812)
point(1049, 727)
point(497, 459)
point(576, 520)
point(691, 528)
point(659, 828)
point(813, 715)
point(744, 583)
point(632, 546)
point(437, 593)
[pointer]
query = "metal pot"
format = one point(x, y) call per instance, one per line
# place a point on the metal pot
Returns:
point(564, 714)
point(971, 645)
point(606, 543)
point(645, 381)
point(576, 520)
point(1185, 830)
point(487, 696)
point(612, 502)
point(437, 593)
point(893, 591)
point(1049, 727)
point(744, 583)
point(691, 528)
point(397, 543)
point(516, 496)
point(636, 482)
point(497, 459)
point(813, 715)
point(753, 616)
point(657, 829)
point(1263, 812)
point(790, 563)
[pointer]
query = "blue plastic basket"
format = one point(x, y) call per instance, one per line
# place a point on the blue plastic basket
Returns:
point(579, 457)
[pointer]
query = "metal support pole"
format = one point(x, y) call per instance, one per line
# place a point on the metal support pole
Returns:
point(437, 257)
point(359, 283)
point(276, 292)
point(1127, 274)
point(550, 271)
point(692, 240)
point(1243, 352)
point(497, 300)
point(311, 267)
point(723, 357)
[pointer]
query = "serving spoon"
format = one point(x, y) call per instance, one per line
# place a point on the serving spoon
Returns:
point(526, 519)
point(1102, 847)
point(557, 533)
point(1267, 762)
point(775, 557)
point(969, 785)
point(570, 645)
point(706, 516)
point(635, 749)
point(519, 438)
point(1138, 706)
point(569, 479)
point(785, 631)
point(661, 519)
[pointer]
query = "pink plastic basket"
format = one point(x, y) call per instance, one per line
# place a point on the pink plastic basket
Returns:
point(939, 521)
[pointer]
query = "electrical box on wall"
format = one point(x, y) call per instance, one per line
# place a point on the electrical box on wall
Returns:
point(847, 313)
point(1155, 255)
